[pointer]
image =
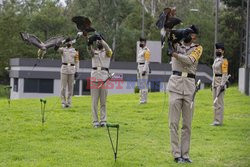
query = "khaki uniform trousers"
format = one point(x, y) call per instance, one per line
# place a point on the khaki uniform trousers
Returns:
point(97, 94)
point(180, 105)
point(218, 106)
point(142, 82)
point(67, 81)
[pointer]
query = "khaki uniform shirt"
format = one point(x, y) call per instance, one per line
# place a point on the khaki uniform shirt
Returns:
point(186, 62)
point(220, 66)
point(69, 56)
point(100, 58)
point(143, 57)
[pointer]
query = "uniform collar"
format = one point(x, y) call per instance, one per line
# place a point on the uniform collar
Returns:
point(219, 58)
point(187, 47)
point(99, 51)
point(145, 48)
point(69, 48)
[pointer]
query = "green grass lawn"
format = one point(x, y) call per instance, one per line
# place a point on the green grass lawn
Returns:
point(68, 139)
point(3, 91)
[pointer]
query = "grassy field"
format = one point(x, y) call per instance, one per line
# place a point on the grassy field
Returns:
point(68, 139)
point(3, 92)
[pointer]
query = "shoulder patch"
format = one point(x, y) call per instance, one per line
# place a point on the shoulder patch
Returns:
point(224, 66)
point(197, 52)
point(109, 53)
point(147, 55)
point(77, 56)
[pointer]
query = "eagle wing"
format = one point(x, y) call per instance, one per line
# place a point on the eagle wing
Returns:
point(32, 39)
point(54, 41)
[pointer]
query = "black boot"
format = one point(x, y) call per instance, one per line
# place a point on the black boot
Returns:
point(178, 160)
point(186, 160)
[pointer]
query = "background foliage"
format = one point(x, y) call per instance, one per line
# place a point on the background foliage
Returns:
point(120, 23)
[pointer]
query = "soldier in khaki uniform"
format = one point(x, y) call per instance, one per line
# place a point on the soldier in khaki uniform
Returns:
point(101, 56)
point(220, 73)
point(70, 66)
point(143, 59)
point(181, 87)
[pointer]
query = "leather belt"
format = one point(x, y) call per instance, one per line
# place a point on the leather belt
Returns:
point(141, 63)
point(68, 64)
point(100, 68)
point(183, 74)
point(218, 75)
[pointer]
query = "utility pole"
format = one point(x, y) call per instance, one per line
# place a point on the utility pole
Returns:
point(248, 35)
point(143, 16)
point(247, 62)
point(153, 8)
point(244, 71)
point(216, 23)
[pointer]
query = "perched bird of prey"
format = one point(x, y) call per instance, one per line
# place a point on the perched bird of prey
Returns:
point(166, 22)
point(176, 36)
point(83, 24)
point(171, 22)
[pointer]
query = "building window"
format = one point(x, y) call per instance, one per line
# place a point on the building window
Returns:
point(15, 85)
point(85, 87)
point(38, 85)
point(76, 87)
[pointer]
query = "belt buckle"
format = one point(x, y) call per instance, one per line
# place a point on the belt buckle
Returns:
point(184, 74)
point(68, 64)
point(99, 68)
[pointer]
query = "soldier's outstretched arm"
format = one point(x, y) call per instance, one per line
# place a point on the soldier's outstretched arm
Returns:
point(189, 59)
point(107, 48)
point(77, 61)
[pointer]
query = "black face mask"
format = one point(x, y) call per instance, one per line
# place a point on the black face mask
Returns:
point(68, 45)
point(218, 54)
point(187, 39)
point(99, 46)
point(141, 45)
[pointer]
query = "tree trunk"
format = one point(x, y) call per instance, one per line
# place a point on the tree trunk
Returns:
point(153, 7)
point(114, 41)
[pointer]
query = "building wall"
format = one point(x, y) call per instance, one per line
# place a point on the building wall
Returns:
point(22, 94)
point(242, 80)
point(50, 70)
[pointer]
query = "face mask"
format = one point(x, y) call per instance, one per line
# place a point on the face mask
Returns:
point(68, 45)
point(141, 45)
point(99, 46)
point(188, 39)
point(218, 54)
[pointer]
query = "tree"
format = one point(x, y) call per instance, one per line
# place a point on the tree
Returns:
point(233, 3)
point(118, 20)
point(12, 21)
point(230, 33)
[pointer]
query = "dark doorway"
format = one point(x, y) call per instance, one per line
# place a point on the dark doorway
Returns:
point(85, 87)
